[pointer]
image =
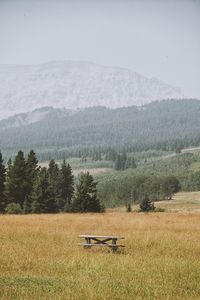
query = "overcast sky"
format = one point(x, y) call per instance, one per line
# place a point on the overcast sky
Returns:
point(156, 38)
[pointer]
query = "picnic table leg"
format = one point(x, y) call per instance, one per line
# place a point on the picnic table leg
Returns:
point(114, 248)
point(88, 241)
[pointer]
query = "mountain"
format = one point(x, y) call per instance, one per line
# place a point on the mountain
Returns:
point(73, 84)
point(159, 125)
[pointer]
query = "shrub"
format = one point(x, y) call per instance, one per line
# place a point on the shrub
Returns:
point(146, 204)
point(13, 208)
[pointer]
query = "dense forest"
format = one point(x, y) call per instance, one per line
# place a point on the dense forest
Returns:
point(27, 188)
point(166, 125)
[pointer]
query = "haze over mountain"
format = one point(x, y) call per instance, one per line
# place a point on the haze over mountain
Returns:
point(74, 84)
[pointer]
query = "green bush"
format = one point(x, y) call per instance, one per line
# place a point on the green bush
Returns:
point(13, 208)
point(146, 204)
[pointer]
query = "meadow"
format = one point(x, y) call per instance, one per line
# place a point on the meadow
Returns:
point(40, 258)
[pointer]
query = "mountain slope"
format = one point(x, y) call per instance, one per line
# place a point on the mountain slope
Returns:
point(158, 125)
point(76, 84)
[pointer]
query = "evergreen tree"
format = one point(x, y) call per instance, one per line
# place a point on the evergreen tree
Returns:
point(16, 181)
point(66, 186)
point(43, 197)
point(118, 164)
point(9, 165)
point(2, 183)
point(86, 199)
point(133, 163)
point(8, 170)
point(53, 172)
point(123, 160)
point(178, 150)
point(31, 173)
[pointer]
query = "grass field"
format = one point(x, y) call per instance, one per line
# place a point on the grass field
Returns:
point(184, 201)
point(40, 259)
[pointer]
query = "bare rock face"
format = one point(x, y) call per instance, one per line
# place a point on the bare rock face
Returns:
point(76, 85)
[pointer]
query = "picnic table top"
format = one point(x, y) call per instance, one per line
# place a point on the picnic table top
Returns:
point(101, 236)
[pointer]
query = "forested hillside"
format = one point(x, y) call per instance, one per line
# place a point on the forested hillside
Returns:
point(165, 125)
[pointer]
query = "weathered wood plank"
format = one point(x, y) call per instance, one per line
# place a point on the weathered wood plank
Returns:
point(102, 236)
point(104, 245)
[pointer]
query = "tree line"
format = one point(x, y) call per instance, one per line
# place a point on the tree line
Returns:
point(26, 187)
point(128, 189)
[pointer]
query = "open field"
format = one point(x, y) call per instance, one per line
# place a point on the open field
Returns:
point(40, 259)
point(184, 201)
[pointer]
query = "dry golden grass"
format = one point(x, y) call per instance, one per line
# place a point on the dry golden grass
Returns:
point(40, 259)
point(185, 201)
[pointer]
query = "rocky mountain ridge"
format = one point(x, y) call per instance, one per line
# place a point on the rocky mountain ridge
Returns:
point(73, 84)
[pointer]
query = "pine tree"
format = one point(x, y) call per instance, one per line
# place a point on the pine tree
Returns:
point(118, 164)
point(2, 183)
point(133, 163)
point(66, 186)
point(43, 196)
point(53, 171)
point(123, 160)
point(16, 181)
point(54, 181)
point(31, 173)
point(9, 165)
point(86, 199)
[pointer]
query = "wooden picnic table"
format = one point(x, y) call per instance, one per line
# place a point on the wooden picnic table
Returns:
point(101, 240)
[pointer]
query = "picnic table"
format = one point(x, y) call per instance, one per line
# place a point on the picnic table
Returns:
point(101, 240)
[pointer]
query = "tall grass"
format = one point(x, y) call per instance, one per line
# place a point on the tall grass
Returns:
point(40, 259)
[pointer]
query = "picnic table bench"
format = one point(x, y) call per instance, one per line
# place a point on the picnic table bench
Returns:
point(101, 240)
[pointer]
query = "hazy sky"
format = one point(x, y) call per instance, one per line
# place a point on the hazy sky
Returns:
point(157, 38)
